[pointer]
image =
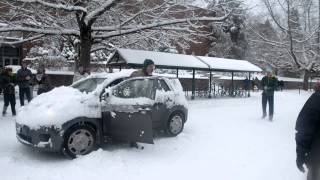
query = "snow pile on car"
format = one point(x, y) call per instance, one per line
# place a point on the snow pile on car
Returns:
point(57, 107)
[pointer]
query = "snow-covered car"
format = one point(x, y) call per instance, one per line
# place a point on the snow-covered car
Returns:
point(102, 108)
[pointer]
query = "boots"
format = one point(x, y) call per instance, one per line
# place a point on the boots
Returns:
point(4, 111)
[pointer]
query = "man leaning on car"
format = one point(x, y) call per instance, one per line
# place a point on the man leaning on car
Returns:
point(147, 70)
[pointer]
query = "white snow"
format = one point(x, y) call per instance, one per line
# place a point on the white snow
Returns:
point(229, 64)
point(137, 57)
point(160, 58)
point(50, 108)
point(223, 139)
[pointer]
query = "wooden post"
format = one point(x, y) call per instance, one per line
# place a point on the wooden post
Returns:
point(177, 73)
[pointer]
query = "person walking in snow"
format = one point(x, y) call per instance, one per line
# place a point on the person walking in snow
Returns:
point(269, 84)
point(147, 69)
point(24, 76)
point(308, 136)
point(8, 83)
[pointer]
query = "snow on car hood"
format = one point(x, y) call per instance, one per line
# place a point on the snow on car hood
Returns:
point(57, 107)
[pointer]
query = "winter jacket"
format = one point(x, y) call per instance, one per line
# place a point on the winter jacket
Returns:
point(22, 74)
point(44, 83)
point(269, 85)
point(308, 127)
point(8, 83)
point(139, 73)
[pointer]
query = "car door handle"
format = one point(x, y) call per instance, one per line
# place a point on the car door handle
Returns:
point(143, 109)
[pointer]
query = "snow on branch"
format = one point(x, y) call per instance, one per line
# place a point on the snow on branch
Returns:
point(56, 6)
point(92, 16)
point(22, 40)
point(159, 24)
point(41, 31)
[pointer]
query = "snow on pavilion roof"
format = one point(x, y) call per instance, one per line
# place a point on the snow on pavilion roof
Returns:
point(222, 64)
point(181, 61)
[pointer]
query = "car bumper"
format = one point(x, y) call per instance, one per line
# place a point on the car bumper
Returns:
point(45, 138)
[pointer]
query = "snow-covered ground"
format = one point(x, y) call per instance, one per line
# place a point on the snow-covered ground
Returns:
point(224, 139)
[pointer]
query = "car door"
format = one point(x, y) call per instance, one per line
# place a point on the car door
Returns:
point(163, 100)
point(127, 111)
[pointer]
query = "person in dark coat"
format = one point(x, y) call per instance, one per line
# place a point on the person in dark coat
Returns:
point(308, 136)
point(24, 76)
point(269, 84)
point(43, 81)
point(147, 69)
point(8, 83)
point(1, 78)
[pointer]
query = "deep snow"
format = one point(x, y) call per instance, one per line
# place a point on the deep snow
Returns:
point(224, 139)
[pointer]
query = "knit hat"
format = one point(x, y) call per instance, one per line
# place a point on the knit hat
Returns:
point(147, 62)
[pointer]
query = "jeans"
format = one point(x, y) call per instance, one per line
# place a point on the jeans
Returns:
point(22, 92)
point(267, 98)
point(10, 98)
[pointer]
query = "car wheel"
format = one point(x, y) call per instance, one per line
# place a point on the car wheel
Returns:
point(175, 124)
point(79, 140)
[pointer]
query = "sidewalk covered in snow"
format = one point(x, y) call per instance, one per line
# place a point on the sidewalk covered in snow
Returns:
point(128, 58)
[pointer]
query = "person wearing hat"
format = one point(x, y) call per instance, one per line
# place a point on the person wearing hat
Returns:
point(147, 69)
point(308, 136)
point(8, 83)
point(269, 84)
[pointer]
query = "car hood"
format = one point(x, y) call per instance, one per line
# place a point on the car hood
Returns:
point(57, 107)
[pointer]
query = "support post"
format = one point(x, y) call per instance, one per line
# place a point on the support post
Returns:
point(249, 85)
point(193, 84)
point(232, 84)
point(210, 84)
point(177, 73)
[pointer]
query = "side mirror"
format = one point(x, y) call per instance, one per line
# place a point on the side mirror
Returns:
point(104, 95)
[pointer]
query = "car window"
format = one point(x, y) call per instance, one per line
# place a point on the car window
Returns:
point(176, 85)
point(162, 85)
point(135, 88)
point(88, 85)
point(115, 82)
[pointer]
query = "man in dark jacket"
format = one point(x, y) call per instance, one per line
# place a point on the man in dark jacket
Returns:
point(43, 81)
point(147, 69)
point(1, 78)
point(8, 83)
point(269, 84)
point(24, 77)
point(308, 136)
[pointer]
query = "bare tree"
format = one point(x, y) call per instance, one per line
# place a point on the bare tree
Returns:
point(99, 24)
point(296, 36)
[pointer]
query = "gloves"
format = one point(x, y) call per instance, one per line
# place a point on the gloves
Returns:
point(302, 159)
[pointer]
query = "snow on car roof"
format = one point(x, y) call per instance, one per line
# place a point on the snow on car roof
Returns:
point(222, 64)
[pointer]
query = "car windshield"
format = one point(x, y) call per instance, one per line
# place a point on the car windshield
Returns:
point(88, 85)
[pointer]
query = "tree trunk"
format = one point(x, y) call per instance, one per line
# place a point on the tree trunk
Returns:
point(85, 49)
point(306, 77)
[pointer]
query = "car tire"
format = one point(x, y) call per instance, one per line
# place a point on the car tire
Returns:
point(175, 124)
point(79, 140)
